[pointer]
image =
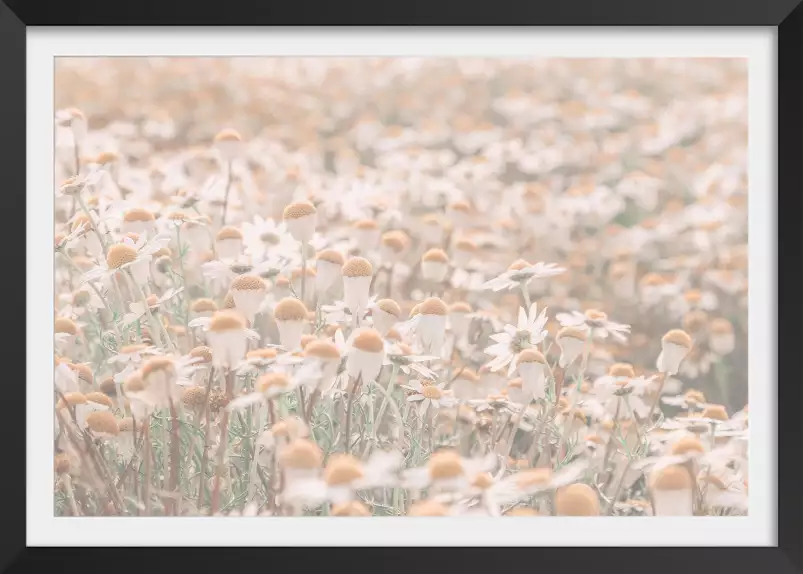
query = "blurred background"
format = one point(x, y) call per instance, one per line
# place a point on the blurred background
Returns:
point(631, 173)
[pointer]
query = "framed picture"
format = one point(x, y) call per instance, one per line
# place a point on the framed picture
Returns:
point(400, 287)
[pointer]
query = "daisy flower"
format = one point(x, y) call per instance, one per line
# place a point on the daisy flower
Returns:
point(724, 492)
point(682, 448)
point(137, 308)
point(339, 313)
point(301, 461)
point(82, 236)
point(521, 485)
point(227, 335)
point(448, 471)
point(711, 414)
point(133, 354)
point(596, 322)
point(158, 383)
point(77, 403)
point(77, 184)
point(520, 273)
point(689, 400)
point(66, 332)
point(275, 383)
point(220, 274)
point(328, 355)
point(84, 301)
point(258, 359)
point(528, 332)
point(697, 363)
point(672, 491)
point(620, 382)
point(128, 255)
point(65, 378)
point(345, 474)
point(278, 436)
point(675, 345)
point(429, 395)
point(401, 356)
point(267, 237)
point(491, 402)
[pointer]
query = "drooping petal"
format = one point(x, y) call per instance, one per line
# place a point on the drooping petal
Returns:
point(523, 321)
point(499, 363)
point(500, 338)
point(497, 349)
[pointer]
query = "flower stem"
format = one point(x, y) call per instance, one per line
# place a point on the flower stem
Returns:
point(175, 456)
point(165, 442)
point(618, 490)
point(387, 398)
point(224, 440)
point(352, 395)
point(534, 450)
point(226, 193)
point(68, 489)
point(633, 416)
point(252, 474)
point(206, 425)
point(311, 405)
point(148, 446)
point(168, 343)
point(656, 401)
point(387, 401)
point(76, 150)
point(301, 405)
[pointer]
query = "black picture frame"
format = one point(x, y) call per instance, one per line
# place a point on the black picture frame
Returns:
point(787, 15)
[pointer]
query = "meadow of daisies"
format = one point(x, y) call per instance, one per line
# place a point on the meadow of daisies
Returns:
point(400, 287)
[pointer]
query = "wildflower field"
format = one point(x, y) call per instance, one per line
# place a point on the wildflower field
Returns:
point(400, 287)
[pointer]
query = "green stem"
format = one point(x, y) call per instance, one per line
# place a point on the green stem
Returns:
point(167, 342)
point(656, 401)
point(616, 492)
point(252, 474)
point(352, 396)
point(387, 398)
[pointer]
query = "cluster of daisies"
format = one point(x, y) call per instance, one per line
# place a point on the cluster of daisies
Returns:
point(402, 287)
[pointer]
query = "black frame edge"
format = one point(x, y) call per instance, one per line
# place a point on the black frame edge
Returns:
point(662, 560)
point(790, 181)
point(790, 211)
point(410, 13)
point(12, 423)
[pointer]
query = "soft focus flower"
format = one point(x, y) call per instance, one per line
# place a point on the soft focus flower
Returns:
point(596, 322)
point(429, 396)
point(521, 273)
point(528, 332)
point(365, 355)
point(675, 345)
